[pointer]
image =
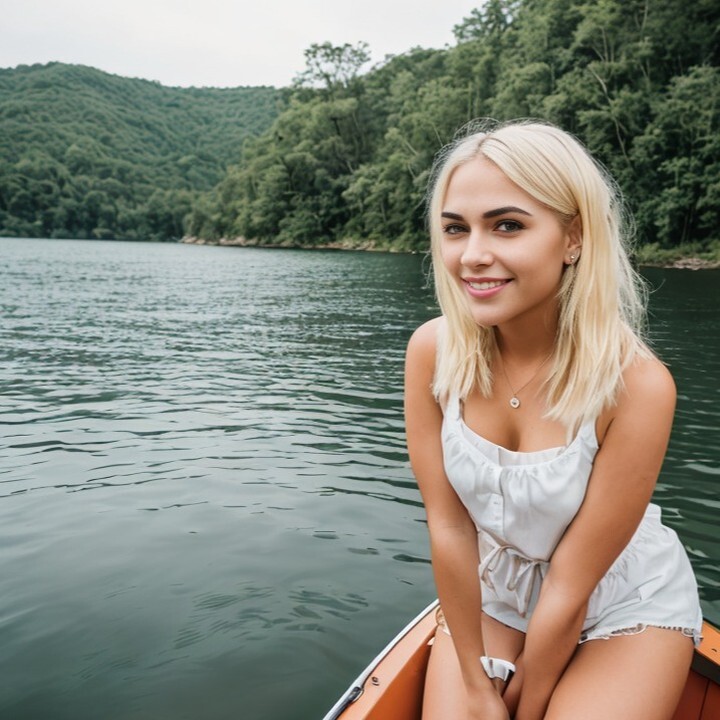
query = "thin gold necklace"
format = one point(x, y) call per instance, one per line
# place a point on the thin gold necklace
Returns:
point(515, 400)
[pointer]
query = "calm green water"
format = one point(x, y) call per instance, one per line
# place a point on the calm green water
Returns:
point(206, 509)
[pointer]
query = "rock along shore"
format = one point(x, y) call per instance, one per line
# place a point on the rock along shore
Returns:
point(686, 263)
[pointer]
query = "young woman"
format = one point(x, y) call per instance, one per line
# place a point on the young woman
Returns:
point(537, 422)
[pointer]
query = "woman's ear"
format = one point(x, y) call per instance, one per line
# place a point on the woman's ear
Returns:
point(573, 234)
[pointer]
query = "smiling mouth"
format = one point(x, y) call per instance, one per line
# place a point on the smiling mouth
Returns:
point(486, 285)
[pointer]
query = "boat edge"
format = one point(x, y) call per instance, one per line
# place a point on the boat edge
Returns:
point(356, 687)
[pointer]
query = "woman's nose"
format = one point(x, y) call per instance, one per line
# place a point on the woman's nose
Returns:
point(478, 250)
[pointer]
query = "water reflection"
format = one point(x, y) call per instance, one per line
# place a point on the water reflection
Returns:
point(685, 328)
point(205, 498)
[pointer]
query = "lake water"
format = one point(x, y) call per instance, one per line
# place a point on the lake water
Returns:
point(206, 509)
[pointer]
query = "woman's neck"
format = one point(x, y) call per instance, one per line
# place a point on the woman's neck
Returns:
point(527, 345)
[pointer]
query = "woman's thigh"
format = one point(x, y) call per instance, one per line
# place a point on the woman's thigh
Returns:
point(628, 677)
point(444, 695)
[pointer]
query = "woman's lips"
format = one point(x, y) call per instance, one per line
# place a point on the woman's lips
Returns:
point(484, 287)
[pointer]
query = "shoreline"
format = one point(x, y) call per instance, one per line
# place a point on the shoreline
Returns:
point(364, 246)
point(685, 263)
point(690, 262)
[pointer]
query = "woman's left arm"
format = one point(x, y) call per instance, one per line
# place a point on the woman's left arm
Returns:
point(623, 478)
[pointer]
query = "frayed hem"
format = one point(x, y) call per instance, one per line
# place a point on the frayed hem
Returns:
point(607, 633)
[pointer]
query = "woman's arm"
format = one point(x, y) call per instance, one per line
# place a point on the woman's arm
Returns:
point(621, 485)
point(453, 536)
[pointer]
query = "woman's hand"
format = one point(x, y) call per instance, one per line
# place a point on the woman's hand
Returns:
point(486, 704)
point(511, 696)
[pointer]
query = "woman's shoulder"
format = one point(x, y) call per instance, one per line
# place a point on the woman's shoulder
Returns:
point(647, 379)
point(647, 396)
point(422, 353)
point(423, 342)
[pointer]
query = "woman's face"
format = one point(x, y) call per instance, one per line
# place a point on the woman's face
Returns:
point(505, 250)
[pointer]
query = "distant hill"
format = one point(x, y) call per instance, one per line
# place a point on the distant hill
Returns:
point(87, 154)
point(347, 160)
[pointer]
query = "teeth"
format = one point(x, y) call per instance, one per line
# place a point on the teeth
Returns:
point(486, 285)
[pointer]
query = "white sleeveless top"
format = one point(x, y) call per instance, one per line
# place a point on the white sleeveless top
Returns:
point(522, 503)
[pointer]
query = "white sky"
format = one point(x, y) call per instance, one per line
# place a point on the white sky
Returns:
point(215, 42)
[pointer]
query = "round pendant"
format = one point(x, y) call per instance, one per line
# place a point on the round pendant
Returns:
point(514, 403)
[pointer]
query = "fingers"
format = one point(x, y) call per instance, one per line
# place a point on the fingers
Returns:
point(499, 685)
point(511, 696)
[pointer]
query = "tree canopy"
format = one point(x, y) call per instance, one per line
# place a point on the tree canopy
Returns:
point(343, 155)
point(347, 159)
point(87, 154)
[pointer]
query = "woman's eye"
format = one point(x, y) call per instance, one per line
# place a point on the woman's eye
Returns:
point(509, 226)
point(453, 229)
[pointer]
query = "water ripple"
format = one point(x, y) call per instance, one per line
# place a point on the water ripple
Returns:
point(204, 475)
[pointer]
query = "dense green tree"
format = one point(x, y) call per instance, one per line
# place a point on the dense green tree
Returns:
point(678, 161)
point(348, 158)
point(333, 67)
point(87, 154)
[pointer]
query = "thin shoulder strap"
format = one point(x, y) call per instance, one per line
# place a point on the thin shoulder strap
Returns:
point(450, 406)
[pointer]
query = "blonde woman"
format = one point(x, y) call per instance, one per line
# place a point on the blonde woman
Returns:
point(537, 422)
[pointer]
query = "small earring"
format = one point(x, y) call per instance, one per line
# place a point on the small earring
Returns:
point(572, 259)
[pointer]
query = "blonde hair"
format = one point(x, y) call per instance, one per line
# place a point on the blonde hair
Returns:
point(602, 299)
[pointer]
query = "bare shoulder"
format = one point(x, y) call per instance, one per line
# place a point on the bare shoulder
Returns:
point(648, 383)
point(646, 404)
point(423, 343)
point(420, 363)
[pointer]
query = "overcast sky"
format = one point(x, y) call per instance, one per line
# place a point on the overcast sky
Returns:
point(215, 42)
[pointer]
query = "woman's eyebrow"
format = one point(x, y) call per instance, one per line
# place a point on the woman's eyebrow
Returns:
point(504, 211)
point(489, 214)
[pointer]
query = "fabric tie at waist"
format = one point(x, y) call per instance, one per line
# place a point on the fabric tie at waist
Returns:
point(504, 568)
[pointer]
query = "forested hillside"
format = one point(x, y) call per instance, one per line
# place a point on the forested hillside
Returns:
point(86, 154)
point(347, 160)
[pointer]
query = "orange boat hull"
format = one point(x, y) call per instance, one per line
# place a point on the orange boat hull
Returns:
point(392, 687)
